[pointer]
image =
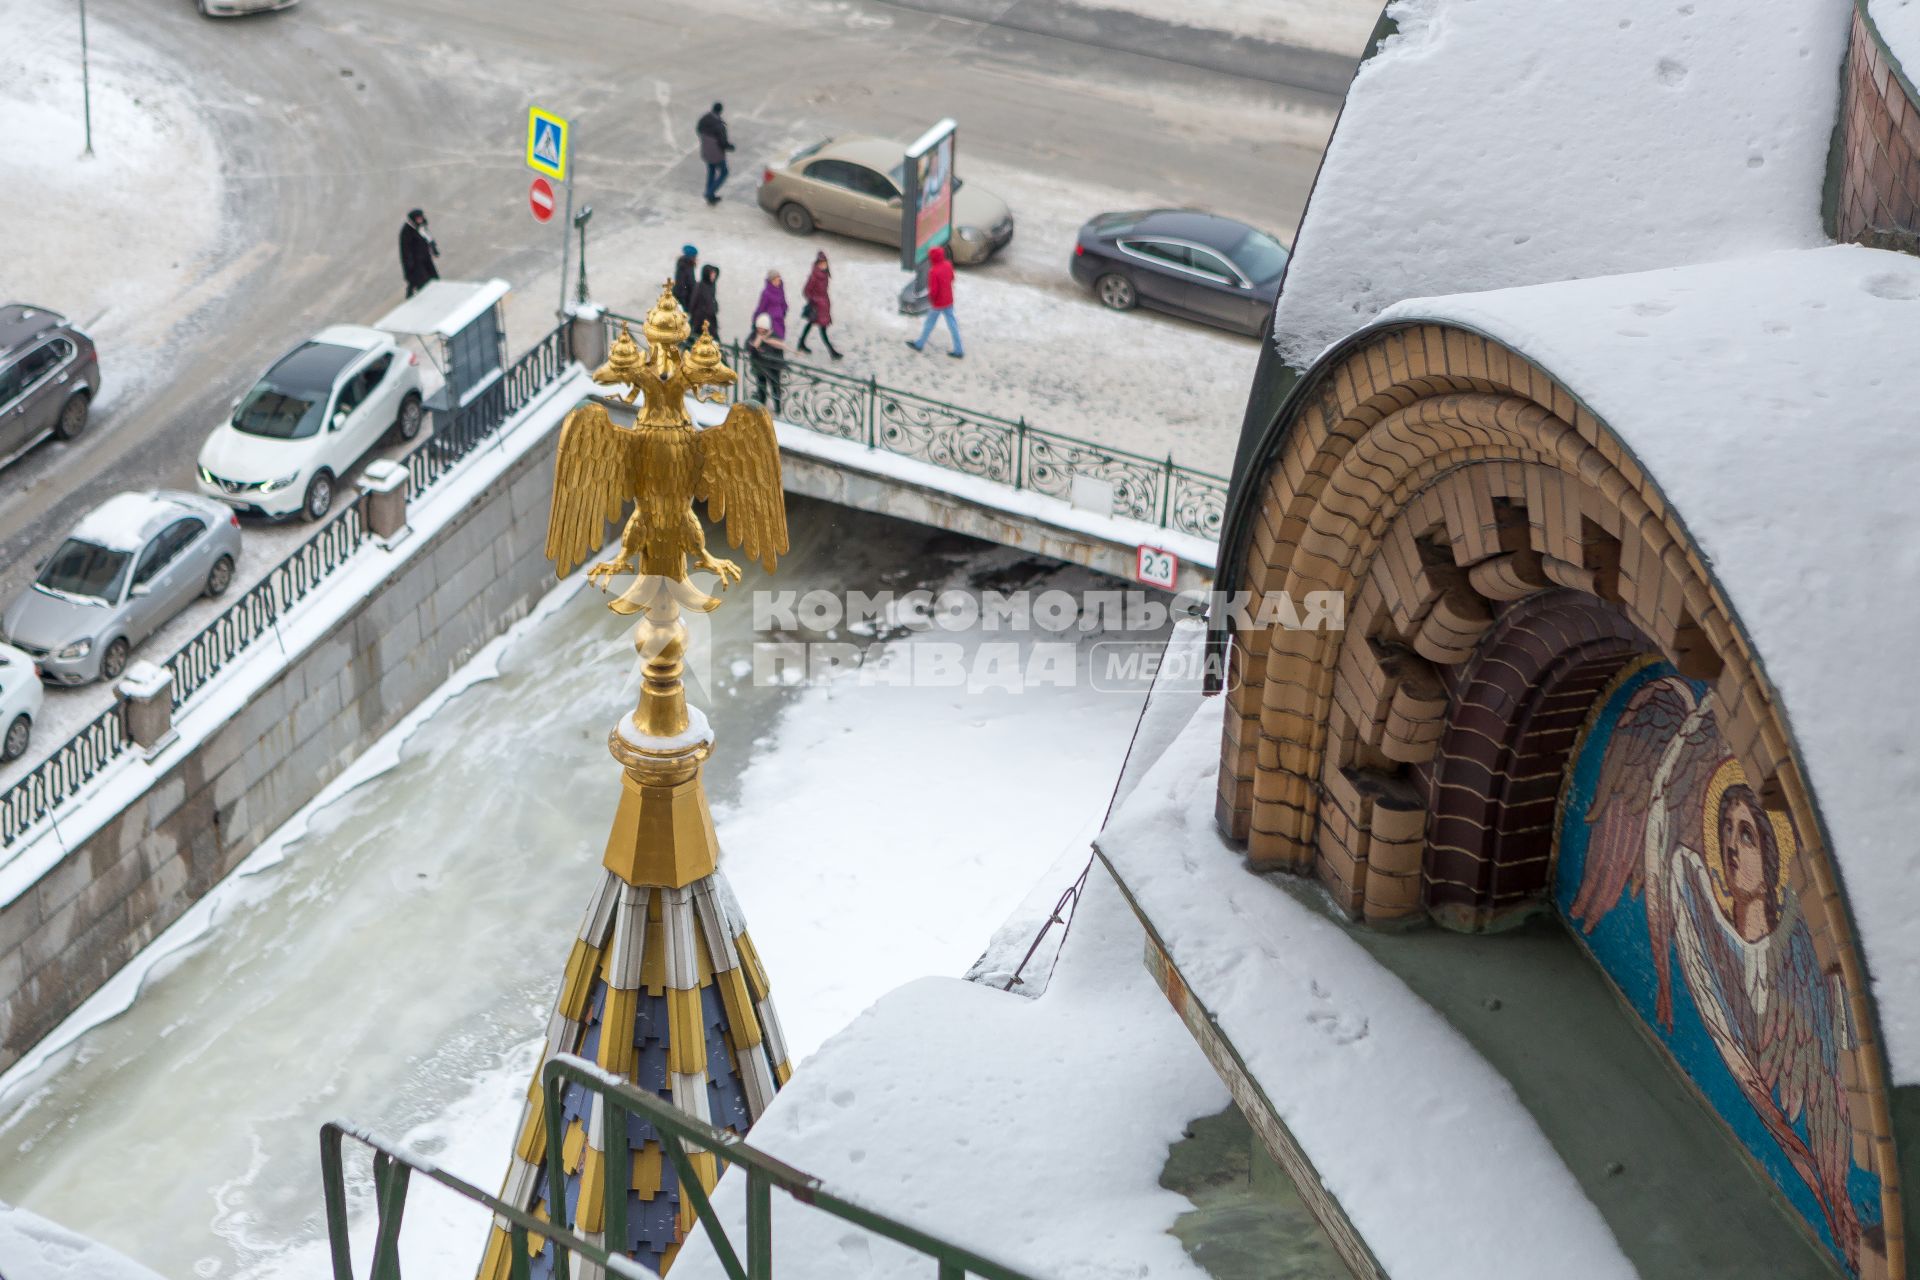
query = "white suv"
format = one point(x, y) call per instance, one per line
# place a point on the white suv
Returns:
point(314, 414)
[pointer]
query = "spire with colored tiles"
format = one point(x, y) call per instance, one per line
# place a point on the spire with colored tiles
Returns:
point(662, 984)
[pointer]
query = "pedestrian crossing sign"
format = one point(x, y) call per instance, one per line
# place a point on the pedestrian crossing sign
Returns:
point(547, 144)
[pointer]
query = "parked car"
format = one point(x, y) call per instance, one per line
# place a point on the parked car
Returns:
point(233, 8)
point(122, 574)
point(313, 415)
point(49, 374)
point(20, 695)
point(853, 186)
point(1184, 262)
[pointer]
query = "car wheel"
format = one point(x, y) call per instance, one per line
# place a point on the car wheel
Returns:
point(220, 577)
point(796, 219)
point(73, 416)
point(114, 660)
point(407, 425)
point(19, 733)
point(319, 496)
point(1116, 291)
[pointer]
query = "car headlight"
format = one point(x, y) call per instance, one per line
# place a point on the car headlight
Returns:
point(78, 649)
point(206, 477)
point(281, 483)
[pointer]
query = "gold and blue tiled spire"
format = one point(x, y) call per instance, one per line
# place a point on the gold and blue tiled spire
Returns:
point(663, 987)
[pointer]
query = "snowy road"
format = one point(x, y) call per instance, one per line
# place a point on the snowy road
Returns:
point(397, 964)
point(293, 142)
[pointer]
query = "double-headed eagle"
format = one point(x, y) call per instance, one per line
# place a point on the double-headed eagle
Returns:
point(662, 461)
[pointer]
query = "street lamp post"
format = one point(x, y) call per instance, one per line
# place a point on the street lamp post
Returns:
point(580, 221)
point(86, 84)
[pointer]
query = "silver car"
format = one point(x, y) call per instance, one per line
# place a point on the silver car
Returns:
point(121, 575)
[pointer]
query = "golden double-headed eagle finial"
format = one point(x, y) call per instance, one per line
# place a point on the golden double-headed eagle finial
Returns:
point(610, 453)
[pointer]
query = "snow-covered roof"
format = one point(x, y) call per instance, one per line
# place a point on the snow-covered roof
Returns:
point(126, 520)
point(1898, 22)
point(443, 308)
point(1773, 400)
point(967, 1112)
point(1610, 136)
point(32, 1248)
point(1396, 1111)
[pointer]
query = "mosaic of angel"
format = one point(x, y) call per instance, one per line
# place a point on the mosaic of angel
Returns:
point(1674, 822)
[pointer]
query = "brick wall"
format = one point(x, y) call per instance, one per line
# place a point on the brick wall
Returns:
point(110, 896)
point(1879, 196)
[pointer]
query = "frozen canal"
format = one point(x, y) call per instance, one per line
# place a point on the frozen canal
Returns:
point(393, 957)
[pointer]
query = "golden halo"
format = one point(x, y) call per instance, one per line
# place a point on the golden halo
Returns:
point(1730, 774)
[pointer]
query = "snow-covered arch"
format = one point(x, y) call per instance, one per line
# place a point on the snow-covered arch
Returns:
point(1505, 557)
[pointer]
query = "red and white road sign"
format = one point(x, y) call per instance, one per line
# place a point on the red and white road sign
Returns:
point(1157, 568)
point(540, 200)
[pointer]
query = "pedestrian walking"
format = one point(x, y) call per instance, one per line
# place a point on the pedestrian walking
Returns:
point(713, 149)
point(939, 303)
point(704, 309)
point(773, 305)
point(417, 252)
point(766, 355)
point(685, 271)
point(818, 310)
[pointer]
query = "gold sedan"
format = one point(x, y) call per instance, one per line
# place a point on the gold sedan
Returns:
point(853, 186)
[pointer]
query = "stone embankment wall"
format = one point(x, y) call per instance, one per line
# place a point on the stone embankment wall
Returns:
point(117, 890)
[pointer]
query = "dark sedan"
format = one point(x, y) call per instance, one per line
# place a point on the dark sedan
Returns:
point(1183, 262)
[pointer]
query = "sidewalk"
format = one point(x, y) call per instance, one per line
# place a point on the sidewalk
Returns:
point(1301, 44)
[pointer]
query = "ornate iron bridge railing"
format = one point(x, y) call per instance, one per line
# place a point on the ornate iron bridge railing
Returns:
point(1007, 451)
point(75, 762)
point(679, 1135)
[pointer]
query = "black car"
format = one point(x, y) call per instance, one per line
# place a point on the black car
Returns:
point(49, 375)
point(1184, 262)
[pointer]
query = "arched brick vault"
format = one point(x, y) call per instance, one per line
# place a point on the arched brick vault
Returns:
point(1502, 556)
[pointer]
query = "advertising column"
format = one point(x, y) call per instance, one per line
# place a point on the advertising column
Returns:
point(926, 209)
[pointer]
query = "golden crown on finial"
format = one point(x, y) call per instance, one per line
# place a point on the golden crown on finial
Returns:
point(623, 363)
point(666, 324)
point(705, 369)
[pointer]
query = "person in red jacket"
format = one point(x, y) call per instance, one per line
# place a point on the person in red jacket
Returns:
point(818, 311)
point(940, 303)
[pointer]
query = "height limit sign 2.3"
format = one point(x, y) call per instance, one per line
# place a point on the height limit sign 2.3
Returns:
point(540, 199)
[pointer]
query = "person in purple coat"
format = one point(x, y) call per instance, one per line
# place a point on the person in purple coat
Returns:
point(773, 305)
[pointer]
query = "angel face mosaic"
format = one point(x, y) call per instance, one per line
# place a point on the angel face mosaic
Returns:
point(1681, 884)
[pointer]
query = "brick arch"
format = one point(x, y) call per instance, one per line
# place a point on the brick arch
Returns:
point(1518, 709)
point(1445, 486)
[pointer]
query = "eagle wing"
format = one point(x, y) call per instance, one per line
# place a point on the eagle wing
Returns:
point(739, 480)
point(594, 473)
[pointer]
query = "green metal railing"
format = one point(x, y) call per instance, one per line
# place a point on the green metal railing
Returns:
point(1158, 491)
point(677, 1131)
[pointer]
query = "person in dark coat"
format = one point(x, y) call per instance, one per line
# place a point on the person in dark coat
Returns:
point(713, 149)
point(767, 356)
point(417, 252)
point(818, 311)
point(704, 309)
point(939, 303)
point(685, 268)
